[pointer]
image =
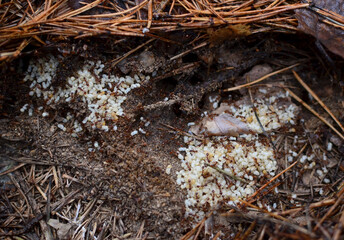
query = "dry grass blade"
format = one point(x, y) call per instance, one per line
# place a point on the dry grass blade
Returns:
point(318, 99)
point(314, 112)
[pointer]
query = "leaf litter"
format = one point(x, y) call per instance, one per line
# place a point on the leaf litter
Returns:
point(122, 189)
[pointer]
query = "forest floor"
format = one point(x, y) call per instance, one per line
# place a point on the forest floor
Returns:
point(123, 189)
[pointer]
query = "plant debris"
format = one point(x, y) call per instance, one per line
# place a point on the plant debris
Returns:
point(223, 68)
point(25, 23)
point(324, 19)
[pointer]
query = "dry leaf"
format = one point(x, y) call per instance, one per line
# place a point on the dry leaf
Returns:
point(331, 163)
point(309, 179)
point(63, 229)
point(220, 125)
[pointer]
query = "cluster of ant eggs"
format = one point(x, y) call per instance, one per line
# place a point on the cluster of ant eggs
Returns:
point(100, 94)
point(226, 169)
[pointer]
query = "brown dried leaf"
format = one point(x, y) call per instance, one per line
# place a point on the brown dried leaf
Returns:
point(63, 230)
point(309, 179)
point(220, 125)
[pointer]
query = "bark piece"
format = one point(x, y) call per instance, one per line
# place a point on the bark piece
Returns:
point(312, 23)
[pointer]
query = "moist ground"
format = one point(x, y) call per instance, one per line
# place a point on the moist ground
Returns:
point(123, 189)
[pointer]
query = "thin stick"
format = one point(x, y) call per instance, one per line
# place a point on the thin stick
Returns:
point(339, 227)
point(217, 235)
point(29, 3)
point(318, 99)
point(250, 217)
point(171, 8)
point(199, 230)
point(249, 230)
point(150, 13)
point(323, 203)
point(211, 9)
point(190, 233)
point(314, 112)
point(80, 10)
point(330, 211)
point(245, 4)
point(13, 169)
point(200, 224)
point(260, 79)
point(41, 192)
point(16, 184)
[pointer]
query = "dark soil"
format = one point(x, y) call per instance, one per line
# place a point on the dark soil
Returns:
point(125, 184)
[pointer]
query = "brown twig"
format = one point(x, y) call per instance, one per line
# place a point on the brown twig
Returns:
point(199, 225)
point(314, 112)
point(275, 177)
point(189, 50)
point(12, 169)
point(329, 212)
point(318, 99)
point(244, 217)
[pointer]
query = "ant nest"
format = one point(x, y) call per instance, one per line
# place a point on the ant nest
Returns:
point(227, 169)
point(102, 94)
